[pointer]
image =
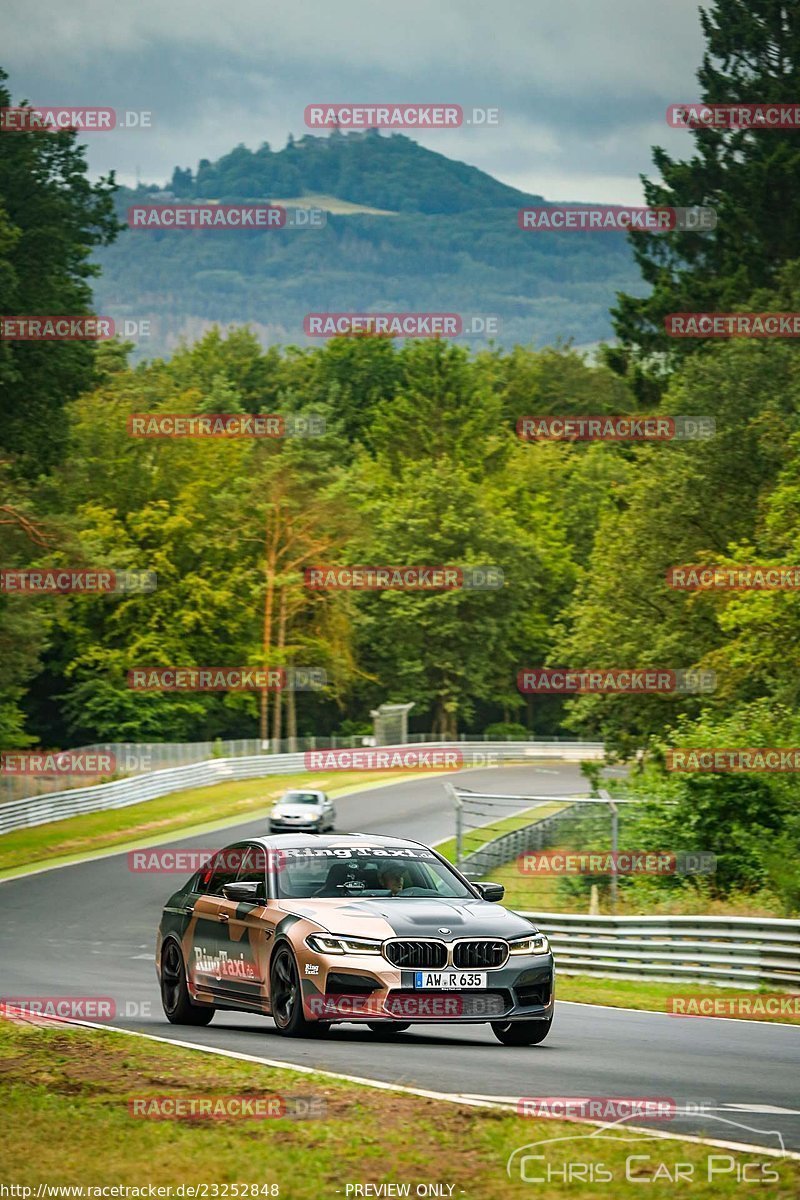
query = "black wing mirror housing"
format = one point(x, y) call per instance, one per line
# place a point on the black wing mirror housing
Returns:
point(491, 891)
point(244, 892)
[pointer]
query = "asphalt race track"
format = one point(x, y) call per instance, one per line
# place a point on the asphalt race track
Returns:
point(88, 930)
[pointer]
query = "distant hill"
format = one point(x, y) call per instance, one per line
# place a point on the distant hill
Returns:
point(444, 239)
point(393, 173)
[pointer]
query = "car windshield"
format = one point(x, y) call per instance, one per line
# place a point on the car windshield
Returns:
point(300, 798)
point(369, 873)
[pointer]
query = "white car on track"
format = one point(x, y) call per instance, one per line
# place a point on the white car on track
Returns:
point(304, 810)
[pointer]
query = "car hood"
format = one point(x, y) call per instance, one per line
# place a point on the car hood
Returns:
point(413, 918)
point(312, 811)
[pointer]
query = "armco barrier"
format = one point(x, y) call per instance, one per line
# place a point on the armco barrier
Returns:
point(744, 952)
point(141, 758)
point(57, 806)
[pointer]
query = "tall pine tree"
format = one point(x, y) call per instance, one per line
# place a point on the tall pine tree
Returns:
point(51, 219)
point(751, 178)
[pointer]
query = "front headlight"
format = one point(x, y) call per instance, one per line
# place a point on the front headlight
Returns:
point(327, 943)
point(537, 943)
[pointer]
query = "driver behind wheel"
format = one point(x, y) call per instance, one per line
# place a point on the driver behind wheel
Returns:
point(393, 879)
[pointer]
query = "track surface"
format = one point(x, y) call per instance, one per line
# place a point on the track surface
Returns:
point(88, 929)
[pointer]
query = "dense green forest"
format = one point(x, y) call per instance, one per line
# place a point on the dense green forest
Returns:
point(391, 173)
point(444, 238)
point(420, 464)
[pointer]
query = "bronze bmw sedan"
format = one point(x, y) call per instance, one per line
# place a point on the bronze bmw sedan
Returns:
point(314, 930)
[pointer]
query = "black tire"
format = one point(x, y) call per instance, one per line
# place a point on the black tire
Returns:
point(521, 1033)
point(389, 1028)
point(286, 997)
point(179, 1008)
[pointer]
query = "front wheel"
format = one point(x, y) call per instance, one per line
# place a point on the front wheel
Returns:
point(286, 997)
point(521, 1033)
point(175, 999)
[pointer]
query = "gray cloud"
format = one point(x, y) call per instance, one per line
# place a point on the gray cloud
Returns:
point(582, 85)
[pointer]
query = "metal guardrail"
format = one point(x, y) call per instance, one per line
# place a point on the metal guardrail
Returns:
point(141, 758)
point(744, 952)
point(57, 806)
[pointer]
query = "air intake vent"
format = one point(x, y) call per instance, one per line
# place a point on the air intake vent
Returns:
point(417, 955)
point(341, 984)
point(479, 955)
point(531, 995)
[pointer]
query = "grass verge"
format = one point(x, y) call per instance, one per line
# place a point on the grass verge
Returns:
point(563, 893)
point(66, 1093)
point(633, 993)
point(539, 893)
point(223, 803)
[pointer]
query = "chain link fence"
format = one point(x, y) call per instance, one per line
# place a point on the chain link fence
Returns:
point(567, 853)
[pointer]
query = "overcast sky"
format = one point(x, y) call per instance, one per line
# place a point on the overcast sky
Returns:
point(582, 85)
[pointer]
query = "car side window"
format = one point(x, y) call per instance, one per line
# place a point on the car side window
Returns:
point(254, 867)
point(222, 869)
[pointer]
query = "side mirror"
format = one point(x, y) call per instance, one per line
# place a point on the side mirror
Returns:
point(490, 891)
point(244, 892)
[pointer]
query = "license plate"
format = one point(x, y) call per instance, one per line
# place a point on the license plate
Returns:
point(450, 981)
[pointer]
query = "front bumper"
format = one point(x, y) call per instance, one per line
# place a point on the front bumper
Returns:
point(368, 988)
point(276, 825)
